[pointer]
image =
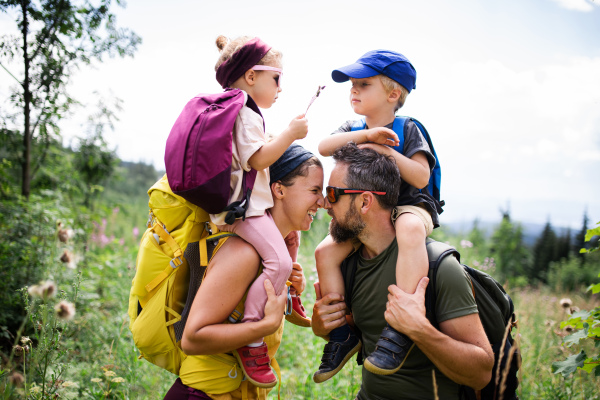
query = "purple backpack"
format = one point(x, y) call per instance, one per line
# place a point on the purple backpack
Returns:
point(199, 152)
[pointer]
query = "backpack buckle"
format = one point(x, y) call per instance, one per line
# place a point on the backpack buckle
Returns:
point(176, 262)
point(207, 228)
point(235, 316)
point(288, 308)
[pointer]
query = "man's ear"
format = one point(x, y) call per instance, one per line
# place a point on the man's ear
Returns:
point(250, 77)
point(278, 189)
point(368, 200)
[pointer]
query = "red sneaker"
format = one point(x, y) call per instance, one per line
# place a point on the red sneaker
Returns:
point(298, 315)
point(256, 364)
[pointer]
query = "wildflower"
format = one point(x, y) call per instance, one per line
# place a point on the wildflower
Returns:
point(35, 389)
point(18, 350)
point(118, 379)
point(44, 290)
point(96, 380)
point(16, 379)
point(115, 210)
point(136, 231)
point(25, 340)
point(465, 244)
point(108, 374)
point(65, 310)
point(67, 384)
point(565, 303)
point(69, 259)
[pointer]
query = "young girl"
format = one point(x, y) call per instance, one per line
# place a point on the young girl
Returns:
point(249, 64)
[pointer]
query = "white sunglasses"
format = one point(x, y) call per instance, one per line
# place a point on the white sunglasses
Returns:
point(267, 68)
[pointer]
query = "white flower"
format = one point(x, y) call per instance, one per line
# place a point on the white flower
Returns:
point(65, 310)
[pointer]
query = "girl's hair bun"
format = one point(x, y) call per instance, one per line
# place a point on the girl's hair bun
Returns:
point(221, 42)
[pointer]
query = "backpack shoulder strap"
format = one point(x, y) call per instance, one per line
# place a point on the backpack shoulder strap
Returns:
point(436, 252)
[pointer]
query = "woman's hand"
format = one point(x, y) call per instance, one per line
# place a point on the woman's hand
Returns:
point(297, 278)
point(275, 306)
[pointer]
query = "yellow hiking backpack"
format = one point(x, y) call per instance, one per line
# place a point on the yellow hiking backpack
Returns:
point(178, 231)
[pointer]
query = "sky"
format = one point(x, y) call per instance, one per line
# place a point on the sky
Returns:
point(509, 91)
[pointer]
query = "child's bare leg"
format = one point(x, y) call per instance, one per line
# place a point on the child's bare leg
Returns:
point(343, 343)
point(329, 256)
point(413, 264)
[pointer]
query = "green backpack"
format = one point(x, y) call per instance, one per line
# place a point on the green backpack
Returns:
point(496, 311)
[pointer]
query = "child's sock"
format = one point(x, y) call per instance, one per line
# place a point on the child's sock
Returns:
point(340, 334)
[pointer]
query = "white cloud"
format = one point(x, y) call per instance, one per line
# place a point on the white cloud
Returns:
point(576, 5)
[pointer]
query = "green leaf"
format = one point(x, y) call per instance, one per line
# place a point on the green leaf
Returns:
point(570, 365)
point(594, 288)
point(574, 338)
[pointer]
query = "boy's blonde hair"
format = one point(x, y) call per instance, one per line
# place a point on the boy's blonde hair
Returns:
point(389, 84)
point(228, 47)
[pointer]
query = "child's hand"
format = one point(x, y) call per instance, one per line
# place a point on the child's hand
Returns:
point(377, 147)
point(298, 128)
point(382, 135)
point(292, 241)
point(297, 278)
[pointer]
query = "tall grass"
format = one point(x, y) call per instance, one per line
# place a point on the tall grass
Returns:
point(101, 361)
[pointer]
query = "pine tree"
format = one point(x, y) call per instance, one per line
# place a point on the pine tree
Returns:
point(508, 249)
point(544, 252)
point(580, 242)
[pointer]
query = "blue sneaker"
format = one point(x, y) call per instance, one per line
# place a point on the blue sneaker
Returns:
point(335, 356)
point(390, 352)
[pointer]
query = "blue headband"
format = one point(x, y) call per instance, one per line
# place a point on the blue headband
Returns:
point(294, 156)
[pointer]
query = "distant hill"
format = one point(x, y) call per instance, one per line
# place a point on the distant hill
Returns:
point(531, 231)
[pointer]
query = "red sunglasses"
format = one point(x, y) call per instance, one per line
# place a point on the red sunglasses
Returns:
point(334, 193)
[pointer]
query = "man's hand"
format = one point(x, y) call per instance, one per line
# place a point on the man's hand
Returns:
point(406, 312)
point(329, 312)
point(297, 278)
point(382, 135)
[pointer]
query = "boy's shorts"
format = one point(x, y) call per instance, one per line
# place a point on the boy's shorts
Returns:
point(417, 210)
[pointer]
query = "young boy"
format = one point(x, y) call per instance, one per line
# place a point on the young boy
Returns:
point(381, 80)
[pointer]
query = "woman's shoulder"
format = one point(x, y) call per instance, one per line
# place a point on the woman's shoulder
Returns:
point(236, 248)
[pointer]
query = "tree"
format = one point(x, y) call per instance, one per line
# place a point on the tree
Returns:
point(544, 252)
point(508, 249)
point(580, 242)
point(56, 38)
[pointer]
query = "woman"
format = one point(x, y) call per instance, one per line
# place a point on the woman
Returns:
point(213, 373)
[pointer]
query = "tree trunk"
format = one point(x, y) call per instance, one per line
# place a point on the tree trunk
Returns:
point(26, 180)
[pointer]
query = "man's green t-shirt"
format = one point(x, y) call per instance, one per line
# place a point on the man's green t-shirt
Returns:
point(369, 296)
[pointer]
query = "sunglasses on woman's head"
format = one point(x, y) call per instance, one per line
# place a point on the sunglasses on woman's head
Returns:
point(334, 193)
point(267, 68)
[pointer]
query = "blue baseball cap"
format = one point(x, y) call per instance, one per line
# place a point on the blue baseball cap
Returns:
point(385, 62)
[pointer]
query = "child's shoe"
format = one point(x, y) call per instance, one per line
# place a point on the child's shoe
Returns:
point(336, 354)
point(298, 315)
point(256, 364)
point(390, 352)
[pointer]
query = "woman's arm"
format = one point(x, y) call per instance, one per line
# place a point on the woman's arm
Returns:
point(229, 275)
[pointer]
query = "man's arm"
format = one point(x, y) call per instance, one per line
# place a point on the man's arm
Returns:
point(460, 349)
point(329, 313)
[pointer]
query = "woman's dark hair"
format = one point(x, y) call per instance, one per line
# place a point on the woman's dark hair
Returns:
point(300, 170)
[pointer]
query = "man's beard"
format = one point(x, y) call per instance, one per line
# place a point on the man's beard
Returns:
point(352, 227)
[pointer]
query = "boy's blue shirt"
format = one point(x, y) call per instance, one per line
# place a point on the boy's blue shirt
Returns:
point(413, 143)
